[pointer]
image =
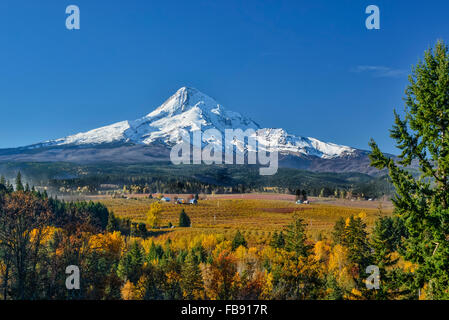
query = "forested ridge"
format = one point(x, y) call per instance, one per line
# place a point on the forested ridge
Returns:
point(168, 178)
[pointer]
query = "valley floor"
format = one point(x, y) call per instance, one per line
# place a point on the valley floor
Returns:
point(257, 216)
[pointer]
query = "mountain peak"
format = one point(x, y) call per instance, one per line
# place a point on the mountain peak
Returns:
point(187, 89)
point(182, 100)
point(190, 109)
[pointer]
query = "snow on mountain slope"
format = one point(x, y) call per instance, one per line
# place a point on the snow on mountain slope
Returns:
point(108, 134)
point(287, 143)
point(189, 109)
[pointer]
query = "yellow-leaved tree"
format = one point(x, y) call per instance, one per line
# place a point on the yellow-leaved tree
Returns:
point(154, 215)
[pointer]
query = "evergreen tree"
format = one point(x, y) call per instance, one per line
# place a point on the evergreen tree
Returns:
point(359, 253)
point(142, 230)
point(134, 230)
point(296, 238)
point(335, 292)
point(154, 282)
point(338, 233)
point(277, 241)
point(422, 203)
point(191, 278)
point(297, 194)
point(385, 240)
point(130, 265)
point(303, 195)
point(281, 240)
point(184, 220)
point(238, 241)
point(274, 239)
point(3, 190)
point(3, 181)
point(9, 187)
point(19, 185)
point(356, 239)
point(113, 223)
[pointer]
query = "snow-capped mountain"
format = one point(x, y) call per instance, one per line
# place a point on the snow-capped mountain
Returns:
point(151, 137)
point(189, 109)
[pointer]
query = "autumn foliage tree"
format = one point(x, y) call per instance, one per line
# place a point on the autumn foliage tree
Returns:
point(23, 220)
point(154, 215)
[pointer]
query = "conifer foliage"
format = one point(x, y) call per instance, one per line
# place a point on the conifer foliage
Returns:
point(422, 203)
point(184, 219)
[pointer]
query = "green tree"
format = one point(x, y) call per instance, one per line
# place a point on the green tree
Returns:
point(3, 181)
point(297, 194)
point(335, 292)
point(239, 240)
point(338, 234)
point(385, 239)
point(142, 230)
point(19, 185)
point(296, 239)
point(422, 202)
point(359, 253)
point(278, 240)
point(184, 220)
point(191, 278)
point(356, 240)
point(113, 223)
point(130, 265)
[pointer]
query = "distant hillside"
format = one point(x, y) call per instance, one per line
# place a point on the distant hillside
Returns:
point(169, 177)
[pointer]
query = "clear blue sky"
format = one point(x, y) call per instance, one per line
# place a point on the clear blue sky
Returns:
point(310, 67)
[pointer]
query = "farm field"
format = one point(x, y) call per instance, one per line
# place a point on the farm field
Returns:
point(257, 219)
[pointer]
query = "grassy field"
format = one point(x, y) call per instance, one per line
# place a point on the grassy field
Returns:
point(256, 218)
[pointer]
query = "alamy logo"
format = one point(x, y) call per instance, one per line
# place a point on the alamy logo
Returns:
point(72, 282)
point(190, 149)
point(373, 281)
point(373, 20)
point(73, 20)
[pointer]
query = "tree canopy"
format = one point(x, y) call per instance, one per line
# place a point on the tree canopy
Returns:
point(422, 202)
